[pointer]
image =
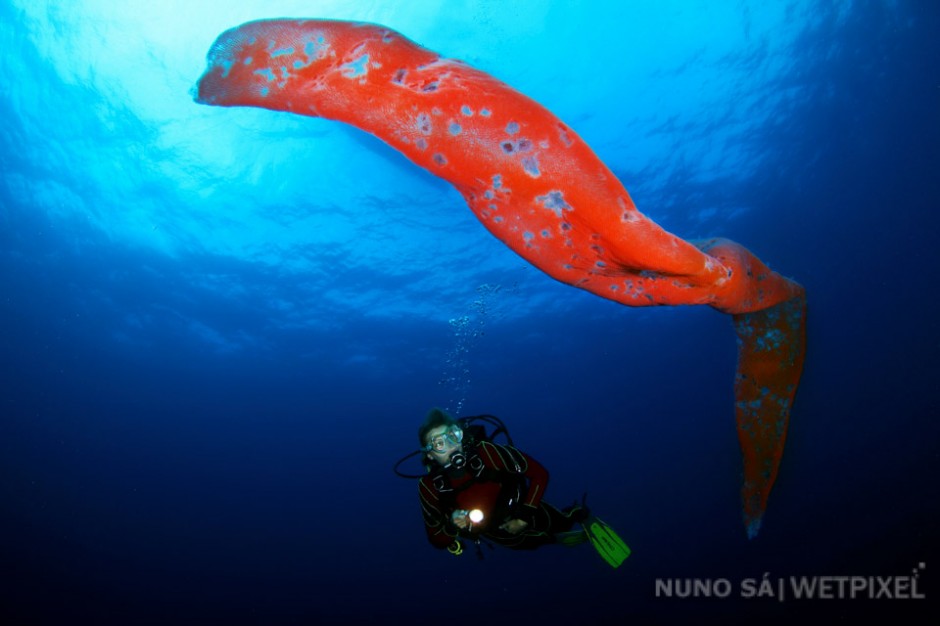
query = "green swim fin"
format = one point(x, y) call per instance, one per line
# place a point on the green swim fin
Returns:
point(610, 546)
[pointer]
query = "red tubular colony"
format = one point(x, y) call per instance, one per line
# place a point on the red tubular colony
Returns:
point(537, 186)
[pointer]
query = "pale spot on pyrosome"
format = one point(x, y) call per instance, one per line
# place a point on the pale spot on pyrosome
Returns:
point(554, 201)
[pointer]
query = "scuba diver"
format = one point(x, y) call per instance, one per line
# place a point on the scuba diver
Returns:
point(477, 489)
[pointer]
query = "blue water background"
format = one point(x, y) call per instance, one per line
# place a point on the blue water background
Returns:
point(219, 328)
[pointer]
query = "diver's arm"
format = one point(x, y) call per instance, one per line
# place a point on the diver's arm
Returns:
point(538, 482)
point(509, 459)
point(440, 533)
point(537, 477)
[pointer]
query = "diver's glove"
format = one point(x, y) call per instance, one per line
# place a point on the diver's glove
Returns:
point(456, 548)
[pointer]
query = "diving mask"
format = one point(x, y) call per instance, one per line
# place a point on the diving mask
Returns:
point(452, 436)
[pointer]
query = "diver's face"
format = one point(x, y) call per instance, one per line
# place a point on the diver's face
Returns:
point(444, 442)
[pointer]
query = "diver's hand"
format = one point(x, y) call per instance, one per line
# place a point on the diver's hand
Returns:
point(460, 519)
point(514, 526)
